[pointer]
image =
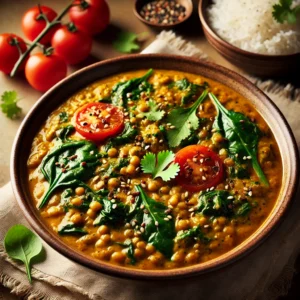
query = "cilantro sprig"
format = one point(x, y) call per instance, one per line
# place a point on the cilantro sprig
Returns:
point(183, 120)
point(160, 165)
point(9, 105)
point(283, 11)
point(128, 42)
point(153, 114)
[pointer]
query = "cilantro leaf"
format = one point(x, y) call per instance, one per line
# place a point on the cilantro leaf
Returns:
point(190, 89)
point(184, 120)
point(63, 117)
point(9, 105)
point(159, 166)
point(126, 42)
point(153, 114)
point(193, 233)
point(283, 12)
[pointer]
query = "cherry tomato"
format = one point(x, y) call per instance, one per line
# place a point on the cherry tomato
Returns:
point(98, 121)
point(200, 168)
point(43, 71)
point(92, 19)
point(9, 53)
point(67, 39)
point(33, 23)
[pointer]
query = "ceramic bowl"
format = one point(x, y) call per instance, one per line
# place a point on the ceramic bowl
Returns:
point(188, 4)
point(256, 64)
point(80, 79)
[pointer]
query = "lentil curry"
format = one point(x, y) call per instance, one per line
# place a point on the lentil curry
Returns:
point(155, 170)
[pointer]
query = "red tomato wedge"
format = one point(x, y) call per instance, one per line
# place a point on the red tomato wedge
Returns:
point(98, 121)
point(200, 168)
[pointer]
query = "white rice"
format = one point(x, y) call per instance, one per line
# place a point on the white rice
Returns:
point(249, 25)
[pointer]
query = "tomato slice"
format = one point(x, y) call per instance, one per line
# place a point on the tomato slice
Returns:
point(98, 121)
point(200, 168)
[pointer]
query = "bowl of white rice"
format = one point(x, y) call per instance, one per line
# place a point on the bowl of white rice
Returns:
point(246, 34)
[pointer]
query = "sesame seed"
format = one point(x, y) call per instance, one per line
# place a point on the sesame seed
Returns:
point(142, 229)
point(201, 160)
point(166, 219)
point(245, 157)
point(156, 224)
point(142, 206)
point(106, 126)
point(191, 209)
point(173, 127)
point(203, 178)
point(169, 217)
point(249, 157)
point(206, 226)
point(250, 194)
point(113, 200)
point(147, 147)
point(226, 187)
point(114, 206)
point(230, 197)
point(212, 188)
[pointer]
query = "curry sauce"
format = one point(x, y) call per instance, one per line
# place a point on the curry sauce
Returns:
point(136, 196)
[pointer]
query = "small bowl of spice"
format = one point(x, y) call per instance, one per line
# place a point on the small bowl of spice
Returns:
point(163, 14)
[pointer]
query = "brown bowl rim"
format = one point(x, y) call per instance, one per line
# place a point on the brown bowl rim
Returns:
point(240, 251)
point(161, 26)
point(215, 36)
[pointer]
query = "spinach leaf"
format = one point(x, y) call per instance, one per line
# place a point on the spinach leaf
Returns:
point(112, 213)
point(89, 196)
point(193, 233)
point(68, 165)
point(22, 244)
point(190, 88)
point(63, 117)
point(70, 229)
point(244, 209)
point(158, 229)
point(64, 132)
point(184, 120)
point(130, 89)
point(127, 135)
point(215, 203)
point(129, 250)
point(242, 135)
point(221, 203)
point(113, 169)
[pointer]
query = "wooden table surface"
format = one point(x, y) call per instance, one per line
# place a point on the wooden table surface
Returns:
point(122, 18)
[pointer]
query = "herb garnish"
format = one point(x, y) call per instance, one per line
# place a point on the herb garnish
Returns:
point(126, 42)
point(9, 106)
point(242, 136)
point(283, 11)
point(184, 120)
point(190, 88)
point(63, 117)
point(160, 165)
point(153, 114)
point(22, 244)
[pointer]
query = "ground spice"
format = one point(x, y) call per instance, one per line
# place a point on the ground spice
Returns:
point(163, 12)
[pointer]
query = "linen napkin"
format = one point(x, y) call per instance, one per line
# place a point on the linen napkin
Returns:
point(263, 274)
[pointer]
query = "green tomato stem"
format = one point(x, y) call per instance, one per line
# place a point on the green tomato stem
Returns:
point(35, 43)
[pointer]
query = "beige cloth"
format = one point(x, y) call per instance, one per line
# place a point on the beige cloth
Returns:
point(254, 277)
